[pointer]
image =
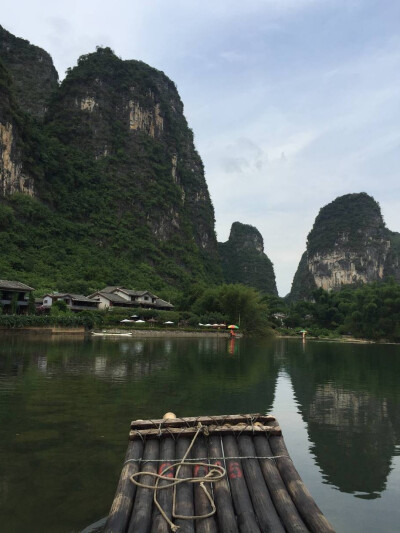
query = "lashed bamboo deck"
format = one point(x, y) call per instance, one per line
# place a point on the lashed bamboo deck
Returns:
point(262, 491)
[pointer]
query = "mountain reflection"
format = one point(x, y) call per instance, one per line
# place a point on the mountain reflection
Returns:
point(348, 396)
point(69, 393)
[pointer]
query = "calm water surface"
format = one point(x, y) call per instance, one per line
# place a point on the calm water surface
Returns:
point(66, 404)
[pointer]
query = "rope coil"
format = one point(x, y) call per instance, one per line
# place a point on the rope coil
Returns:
point(215, 473)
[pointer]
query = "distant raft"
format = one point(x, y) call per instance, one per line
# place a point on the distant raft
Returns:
point(211, 474)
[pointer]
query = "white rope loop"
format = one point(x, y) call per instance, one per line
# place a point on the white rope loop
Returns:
point(215, 473)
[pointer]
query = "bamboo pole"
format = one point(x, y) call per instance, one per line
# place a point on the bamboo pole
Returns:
point(268, 518)
point(244, 509)
point(191, 431)
point(308, 509)
point(164, 496)
point(142, 508)
point(184, 491)
point(201, 504)
point(204, 420)
point(279, 494)
point(222, 495)
point(123, 500)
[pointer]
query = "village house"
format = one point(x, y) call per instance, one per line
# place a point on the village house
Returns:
point(74, 302)
point(113, 296)
point(109, 299)
point(14, 293)
point(280, 317)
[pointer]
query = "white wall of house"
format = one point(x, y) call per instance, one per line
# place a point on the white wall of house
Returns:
point(104, 303)
point(47, 301)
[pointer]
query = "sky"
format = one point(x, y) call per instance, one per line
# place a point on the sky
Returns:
point(292, 102)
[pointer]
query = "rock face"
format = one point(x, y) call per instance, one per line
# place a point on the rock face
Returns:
point(13, 177)
point(348, 244)
point(132, 113)
point(244, 261)
point(111, 166)
point(32, 72)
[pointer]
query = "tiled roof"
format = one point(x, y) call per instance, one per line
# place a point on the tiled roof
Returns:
point(111, 297)
point(16, 285)
point(130, 292)
point(163, 303)
point(78, 297)
point(110, 289)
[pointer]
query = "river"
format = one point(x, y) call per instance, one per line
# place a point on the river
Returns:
point(66, 404)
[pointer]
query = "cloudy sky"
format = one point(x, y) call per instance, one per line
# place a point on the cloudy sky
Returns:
point(292, 102)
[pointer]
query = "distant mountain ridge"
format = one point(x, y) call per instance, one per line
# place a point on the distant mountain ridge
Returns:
point(348, 244)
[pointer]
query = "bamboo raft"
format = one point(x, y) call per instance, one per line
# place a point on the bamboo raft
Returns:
point(247, 482)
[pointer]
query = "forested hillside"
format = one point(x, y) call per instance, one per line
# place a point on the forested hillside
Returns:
point(244, 261)
point(105, 185)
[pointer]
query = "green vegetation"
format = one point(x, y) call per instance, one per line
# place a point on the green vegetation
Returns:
point(62, 320)
point(370, 311)
point(347, 219)
point(120, 195)
point(349, 235)
point(106, 208)
point(34, 76)
point(236, 304)
point(303, 282)
point(243, 259)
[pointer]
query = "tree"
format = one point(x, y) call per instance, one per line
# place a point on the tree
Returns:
point(242, 305)
point(14, 304)
point(58, 307)
point(31, 304)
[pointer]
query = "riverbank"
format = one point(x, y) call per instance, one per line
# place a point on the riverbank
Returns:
point(343, 339)
point(163, 333)
point(50, 330)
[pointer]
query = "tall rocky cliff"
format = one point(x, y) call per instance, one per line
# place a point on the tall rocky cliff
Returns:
point(244, 261)
point(348, 244)
point(13, 175)
point(100, 180)
point(32, 71)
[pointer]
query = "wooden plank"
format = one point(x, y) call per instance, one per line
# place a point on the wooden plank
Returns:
point(308, 509)
point(164, 496)
point(121, 508)
point(201, 504)
point(267, 516)
point(142, 508)
point(217, 430)
point(222, 495)
point(279, 494)
point(204, 420)
point(244, 509)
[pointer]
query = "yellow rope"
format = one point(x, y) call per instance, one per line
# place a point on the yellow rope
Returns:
point(215, 473)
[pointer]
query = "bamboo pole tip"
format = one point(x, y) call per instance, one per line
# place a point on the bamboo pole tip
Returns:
point(169, 415)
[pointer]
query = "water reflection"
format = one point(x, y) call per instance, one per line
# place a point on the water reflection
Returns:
point(66, 403)
point(349, 398)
